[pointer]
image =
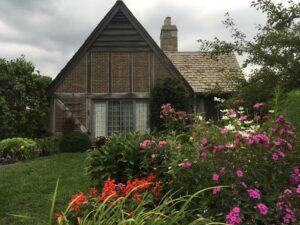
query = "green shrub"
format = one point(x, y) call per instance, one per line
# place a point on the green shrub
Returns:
point(48, 145)
point(120, 158)
point(167, 90)
point(291, 108)
point(19, 149)
point(75, 141)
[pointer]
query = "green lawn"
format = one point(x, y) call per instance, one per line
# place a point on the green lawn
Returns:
point(26, 188)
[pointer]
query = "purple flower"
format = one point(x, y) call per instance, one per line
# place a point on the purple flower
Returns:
point(204, 142)
point(204, 155)
point(275, 157)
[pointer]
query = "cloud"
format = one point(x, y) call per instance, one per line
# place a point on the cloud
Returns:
point(49, 32)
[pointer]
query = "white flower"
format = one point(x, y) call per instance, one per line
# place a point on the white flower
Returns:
point(232, 115)
point(216, 99)
point(241, 108)
point(244, 134)
point(225, 118)
point(230, 127)
point(248, 121)
point(239, 123)
point(224, 110)
point(271, 111)
point(200, 118)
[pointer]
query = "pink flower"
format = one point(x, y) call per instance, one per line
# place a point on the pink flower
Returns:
point(215, 177)
point(224, 131)
point(239, 173)
point(145, 143)
point(204, 155)
point(187, 165)
point(287, 191)
point(282, 154)
point(243, 118)
point(153, 156)
point(162, 143)
point(216, 190)
point(262, 208)
point(254, 193)
point(244, 184)
point(222, 170)
point(277, 143)
point(204, 142)
point(233, 217)
point(258, 105)
point(298, 189)
point(275, 157)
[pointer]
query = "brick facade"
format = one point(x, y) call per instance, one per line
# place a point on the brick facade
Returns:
point(75, 81)
point(141, 72)
point(99, 72)
point(119, 72)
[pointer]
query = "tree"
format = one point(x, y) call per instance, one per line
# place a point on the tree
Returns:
point(274, 51)
point(166, 90)
point(24, 106)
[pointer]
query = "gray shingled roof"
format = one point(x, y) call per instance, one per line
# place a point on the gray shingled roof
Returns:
point(205, 74)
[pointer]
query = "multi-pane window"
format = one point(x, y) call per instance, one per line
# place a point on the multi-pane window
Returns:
point(120, 116)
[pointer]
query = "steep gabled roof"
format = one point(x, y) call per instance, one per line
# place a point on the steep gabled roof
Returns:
point(118, 7)
point(204, 73)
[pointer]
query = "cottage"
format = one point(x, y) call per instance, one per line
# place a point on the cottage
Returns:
point(106, 85)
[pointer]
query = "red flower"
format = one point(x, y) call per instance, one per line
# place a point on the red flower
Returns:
point(93, 192)
point(78, 200)
point(58, 216)
point(109, 190)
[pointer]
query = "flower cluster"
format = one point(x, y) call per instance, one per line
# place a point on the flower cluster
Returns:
point(150, 143)
point(233, 217)
point(112, 192)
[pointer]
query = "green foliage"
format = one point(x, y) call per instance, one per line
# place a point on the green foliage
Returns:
point(48, 145)
point(167, 90)
point(19, 149)
point(291, 108)
point(120, 158)
point(24, 108)
point(274, 51)
point(74, 141)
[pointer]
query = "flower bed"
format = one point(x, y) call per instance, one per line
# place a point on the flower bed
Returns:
point(249, 160)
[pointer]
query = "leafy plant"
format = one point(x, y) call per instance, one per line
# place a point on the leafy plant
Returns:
point(48, 145)
point(74, 141)
point(19, 149)
point(167, 90)
point(120, 158)
point(24, 108)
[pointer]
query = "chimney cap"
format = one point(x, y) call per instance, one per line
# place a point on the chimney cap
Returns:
point(168, 21)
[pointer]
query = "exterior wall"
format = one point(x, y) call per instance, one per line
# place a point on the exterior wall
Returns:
point(200, 105)
point(141, 72)
point(120, 72)
point(75, 81)
point(160, 70)
point(99, 72)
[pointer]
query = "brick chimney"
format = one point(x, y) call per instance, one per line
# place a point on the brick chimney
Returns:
point(168, 36)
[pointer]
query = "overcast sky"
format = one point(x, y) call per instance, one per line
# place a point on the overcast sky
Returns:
point(49, 32)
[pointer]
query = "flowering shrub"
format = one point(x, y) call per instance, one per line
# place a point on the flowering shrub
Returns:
point(172, 119)
point(16, 149)
point(250, 154)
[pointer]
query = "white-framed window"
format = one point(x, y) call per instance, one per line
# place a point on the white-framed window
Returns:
point(114, 116)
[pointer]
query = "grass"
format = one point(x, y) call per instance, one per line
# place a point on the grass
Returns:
point(26, 188)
